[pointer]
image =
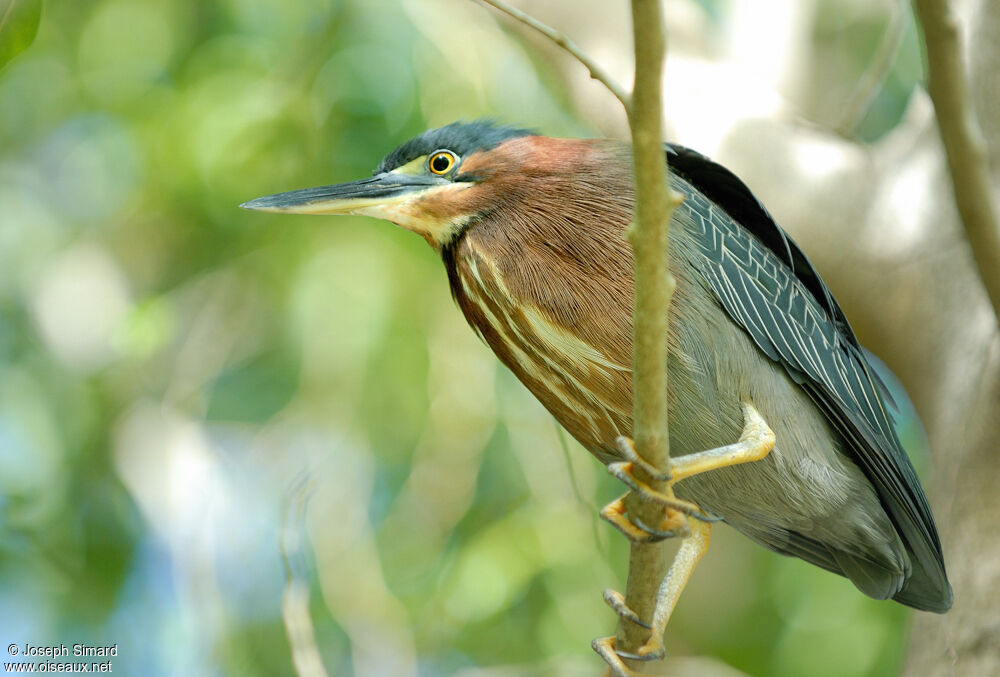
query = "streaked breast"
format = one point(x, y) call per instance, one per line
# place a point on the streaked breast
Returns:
point(587, 391)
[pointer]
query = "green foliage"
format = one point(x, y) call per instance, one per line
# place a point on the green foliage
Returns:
point(172, 367)
point(19, 21)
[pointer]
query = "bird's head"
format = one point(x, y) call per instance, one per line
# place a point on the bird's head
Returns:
point(434, 184)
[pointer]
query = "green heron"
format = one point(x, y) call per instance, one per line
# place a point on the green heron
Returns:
point(531, 230)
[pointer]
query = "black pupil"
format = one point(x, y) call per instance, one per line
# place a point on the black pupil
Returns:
point(440, 163)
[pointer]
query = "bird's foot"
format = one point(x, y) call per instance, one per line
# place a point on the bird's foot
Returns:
point(673, 523)
point(626, 447)
point(616, 601)
point(691, 551)
point(673, 510)
point(605, 648)
point(625, 472)
point(754, 444)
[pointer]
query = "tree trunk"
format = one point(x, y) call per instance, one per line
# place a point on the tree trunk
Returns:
point(964, 430)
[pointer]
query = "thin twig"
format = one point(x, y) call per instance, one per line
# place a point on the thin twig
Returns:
point(299, 628)
point(878, 71)
point(963, 143)
point(596, 72)
point(575, 484)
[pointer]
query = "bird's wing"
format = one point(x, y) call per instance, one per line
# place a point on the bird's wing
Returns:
point(769, 287)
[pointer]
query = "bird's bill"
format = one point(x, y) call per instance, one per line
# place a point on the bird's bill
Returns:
point(379, 192)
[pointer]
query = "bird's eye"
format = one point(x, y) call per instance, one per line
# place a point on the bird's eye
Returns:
point(441, 162)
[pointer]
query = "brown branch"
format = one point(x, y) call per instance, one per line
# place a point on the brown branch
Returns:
point(654, 288)
point(963, 143)
point(596, 72)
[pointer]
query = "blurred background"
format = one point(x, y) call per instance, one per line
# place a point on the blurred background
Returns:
point(250, 444)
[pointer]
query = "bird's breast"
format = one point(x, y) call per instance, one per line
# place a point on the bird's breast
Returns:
point(587, 389)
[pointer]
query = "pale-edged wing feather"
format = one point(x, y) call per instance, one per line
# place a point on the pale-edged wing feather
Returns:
point(768, 286)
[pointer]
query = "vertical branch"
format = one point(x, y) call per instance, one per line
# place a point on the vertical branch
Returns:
point(963, 143)
point(654, 287)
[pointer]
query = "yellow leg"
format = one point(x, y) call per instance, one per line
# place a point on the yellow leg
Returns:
point(673, 585)
point(687, 558)
point(755, 443)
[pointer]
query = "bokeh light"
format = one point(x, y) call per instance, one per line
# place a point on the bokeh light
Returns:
point(177, 374)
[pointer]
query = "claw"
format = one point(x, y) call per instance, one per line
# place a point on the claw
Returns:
point(707, 518)
point(657, 653)
point(681, 529)
point(616, 601)
point(623, 471)
point(627, 448)
point(638, 532)
point(605, 648)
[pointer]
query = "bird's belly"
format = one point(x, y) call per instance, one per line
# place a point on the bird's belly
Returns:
point(806, 484)
point(803, 485)
point(799, 486)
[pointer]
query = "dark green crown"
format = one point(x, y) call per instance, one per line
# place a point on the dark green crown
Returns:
point(462, 138)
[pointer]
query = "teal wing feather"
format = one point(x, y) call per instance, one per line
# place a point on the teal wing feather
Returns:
point(768, 287)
